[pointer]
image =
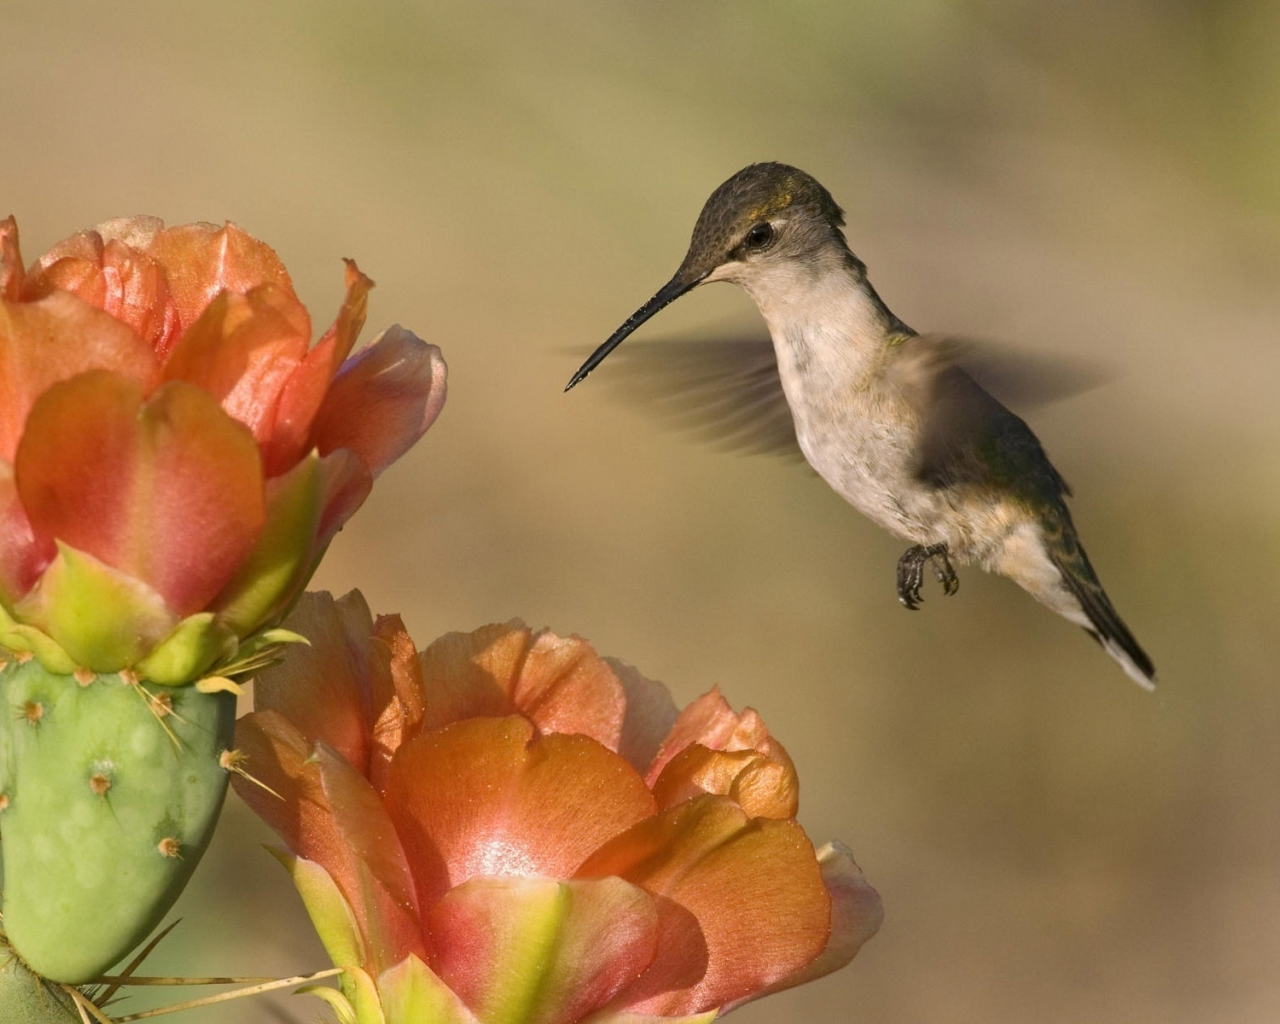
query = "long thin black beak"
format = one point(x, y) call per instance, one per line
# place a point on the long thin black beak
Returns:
point(666, 295)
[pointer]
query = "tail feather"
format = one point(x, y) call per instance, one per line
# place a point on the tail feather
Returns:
point(1105, 624)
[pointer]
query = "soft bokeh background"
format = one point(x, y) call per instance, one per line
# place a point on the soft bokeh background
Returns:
point(1095, 178)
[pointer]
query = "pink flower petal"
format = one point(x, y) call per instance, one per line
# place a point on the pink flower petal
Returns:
point(42, 343)
point(11, 271)
point(560, 684)
point(308, 385)
point(485, 797)
point(650, 714)
point(542, 951)
point(329, 814)
point(336, 687)
point(112, 277)
point(23, 555)
point(761, 785)
point(169, 491)
point(856, 915)
point(242, 351)
point(383, 399)
point(710, 720)
point(404, 715)
point(753, 887)
point(203, 260)
point(347, 482)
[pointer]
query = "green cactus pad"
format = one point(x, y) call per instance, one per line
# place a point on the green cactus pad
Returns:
point(110, 790)
point(27, 999)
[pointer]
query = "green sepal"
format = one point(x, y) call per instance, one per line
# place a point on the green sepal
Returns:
point(104, 619)
point(199, 641)
point(23, 639)
point(263, 585)
point(113, 789)
point(357, 1003)
point(331, 915)
point(338, 1003)
point(411, 991)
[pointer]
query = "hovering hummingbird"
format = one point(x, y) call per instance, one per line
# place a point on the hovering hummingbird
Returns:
point(887, 417)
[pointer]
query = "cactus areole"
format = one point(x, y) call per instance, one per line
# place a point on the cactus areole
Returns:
point(109, 792)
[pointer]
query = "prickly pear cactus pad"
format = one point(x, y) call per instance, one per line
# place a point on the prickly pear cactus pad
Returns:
point(26, 999)
point(109, 790)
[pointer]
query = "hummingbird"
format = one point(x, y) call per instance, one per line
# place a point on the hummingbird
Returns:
point(889, 418)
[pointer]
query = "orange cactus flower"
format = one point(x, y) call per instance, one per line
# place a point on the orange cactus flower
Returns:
point(508, 827)
point(174, 453)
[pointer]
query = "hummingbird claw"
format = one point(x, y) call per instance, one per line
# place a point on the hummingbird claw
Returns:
point(942, 570)
point(911, 573)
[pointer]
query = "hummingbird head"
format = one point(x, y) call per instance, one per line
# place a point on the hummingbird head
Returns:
point(767, 218)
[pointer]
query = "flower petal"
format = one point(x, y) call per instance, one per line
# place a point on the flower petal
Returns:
point(650, 714)
point(752, 886)
point(403, 716)
point(560, 684)
point(328, 813)
point(383, 399)
point(113, 277)
point(540, 951)
point(485, 797)
point(202, 260)
point(710, 720)
point(335, 687)
point(11, 272)
point(762, 786)
point(243, 350)
point(308, 386)
point(347, 482)
point(23, 555)
point(856, 915)
point(169, 491)
point(53, 340)
point(625, 1017)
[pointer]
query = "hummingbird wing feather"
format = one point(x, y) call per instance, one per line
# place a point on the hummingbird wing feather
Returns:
point(724, 390)
point(968, 438)
point(967, 435)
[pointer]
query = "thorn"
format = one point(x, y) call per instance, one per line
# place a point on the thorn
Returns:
point(234, 761)
point(84, 676)
point(169, 847)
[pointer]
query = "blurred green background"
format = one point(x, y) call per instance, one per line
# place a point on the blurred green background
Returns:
point(1092, 178)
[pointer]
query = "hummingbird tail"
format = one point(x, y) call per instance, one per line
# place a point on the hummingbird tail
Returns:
point(1103, 622)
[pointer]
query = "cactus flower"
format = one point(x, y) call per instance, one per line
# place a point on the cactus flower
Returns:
point(508, 828)
point(175, 455)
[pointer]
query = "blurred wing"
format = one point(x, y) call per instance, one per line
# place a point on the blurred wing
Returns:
point(967, 435)
point(1015, 376)
point(725, 390)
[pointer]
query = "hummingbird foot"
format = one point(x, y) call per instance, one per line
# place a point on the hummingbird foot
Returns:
point(911, 573)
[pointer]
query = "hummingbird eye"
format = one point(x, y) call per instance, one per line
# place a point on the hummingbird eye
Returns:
point(759, 237)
